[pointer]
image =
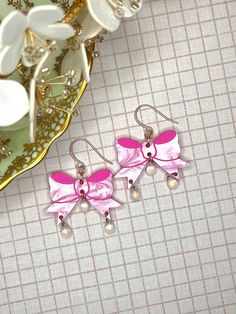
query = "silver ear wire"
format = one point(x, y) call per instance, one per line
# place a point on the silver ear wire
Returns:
point(148, 131)
point(79, 164)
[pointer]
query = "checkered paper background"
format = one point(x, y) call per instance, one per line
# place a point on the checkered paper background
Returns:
point(173, 252)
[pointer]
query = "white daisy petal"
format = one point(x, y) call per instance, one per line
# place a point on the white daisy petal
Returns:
point(14, 102)
point(10, 57)
point(72, 62)
point(12, 28)
point(44, 15)
point(105, 17)
point(21, 124)
point(89, 26)
point(56, 32)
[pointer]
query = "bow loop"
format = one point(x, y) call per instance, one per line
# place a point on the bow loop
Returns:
point(130, 158)
point(62, 187)
point(100, 175)
point(165, 137)
point(100, 185)
point(129, 152)
point(167, 145)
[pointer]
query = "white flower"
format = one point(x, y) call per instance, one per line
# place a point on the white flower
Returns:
point(14, 102)
point(109, 17)
point(40, 20)
point(77, 60)
point(100, 14)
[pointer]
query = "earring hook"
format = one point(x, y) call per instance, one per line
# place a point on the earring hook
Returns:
point(80, 165)
point(148, 131)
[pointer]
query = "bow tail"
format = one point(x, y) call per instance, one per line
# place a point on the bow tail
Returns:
point(62, 209)
point(130, 173)
point(104, 206)
point(173, 166)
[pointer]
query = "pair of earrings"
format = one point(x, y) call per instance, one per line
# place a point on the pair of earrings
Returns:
point(97, 190)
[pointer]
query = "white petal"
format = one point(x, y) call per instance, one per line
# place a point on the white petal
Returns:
point(9, 58)
point(21, 124)
point(44, 15)
point(72, 62)
point(14, 102)
point(90, 27)
point(12, 28)
point(105, 17)
point(56, 32)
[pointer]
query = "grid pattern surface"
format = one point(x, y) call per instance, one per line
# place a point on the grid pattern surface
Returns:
point(173, 252)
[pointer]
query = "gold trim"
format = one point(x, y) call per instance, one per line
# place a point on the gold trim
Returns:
point(74, 11)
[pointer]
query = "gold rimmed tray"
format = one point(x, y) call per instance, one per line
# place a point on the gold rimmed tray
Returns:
point(51, 122)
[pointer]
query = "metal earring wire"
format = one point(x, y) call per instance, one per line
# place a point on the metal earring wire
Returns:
point(79, 164)
point(148, 131)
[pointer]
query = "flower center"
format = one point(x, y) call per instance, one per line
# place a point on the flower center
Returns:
point(34, 48)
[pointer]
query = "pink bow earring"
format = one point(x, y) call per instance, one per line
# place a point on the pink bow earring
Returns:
point(95, 190)
point(162, 151)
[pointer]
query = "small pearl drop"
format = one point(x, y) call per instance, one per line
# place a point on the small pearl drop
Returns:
point(134, 193)
point(66, 231)
point(84, 205)
point(150, 169)
point(109, 227)
point(172, 182)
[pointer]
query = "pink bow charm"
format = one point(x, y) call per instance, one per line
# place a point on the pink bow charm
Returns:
point(67, 191)
point(164, 150)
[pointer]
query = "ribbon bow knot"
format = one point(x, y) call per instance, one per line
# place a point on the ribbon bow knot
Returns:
point(66, 191)
point(133, 156)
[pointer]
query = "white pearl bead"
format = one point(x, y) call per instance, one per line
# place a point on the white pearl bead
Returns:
point(134, 193)
point(84, 205)
point(172, 182)
point(150, 169)
point(109, 227)
point(66, 231)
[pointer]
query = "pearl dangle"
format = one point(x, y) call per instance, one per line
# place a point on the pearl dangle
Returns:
point(65, 228)
point(84, 205)
point(109, 226)
point(172, 182)
point(135, 194)
point(150, 169)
